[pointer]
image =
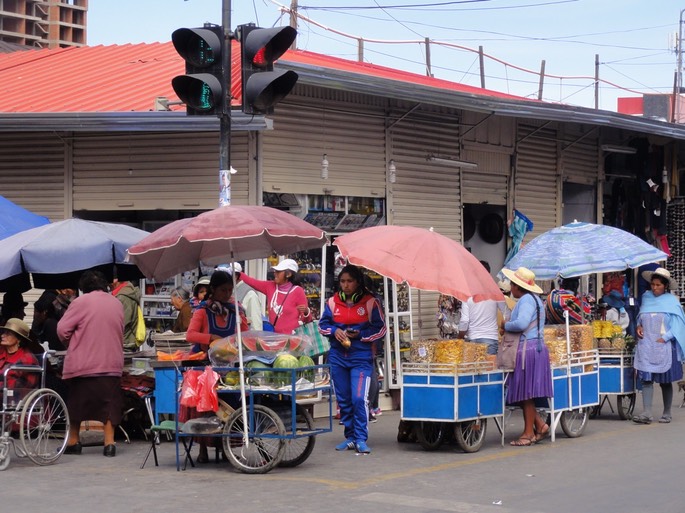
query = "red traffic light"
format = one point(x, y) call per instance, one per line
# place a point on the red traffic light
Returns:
point(261, 47)
point(262, 87)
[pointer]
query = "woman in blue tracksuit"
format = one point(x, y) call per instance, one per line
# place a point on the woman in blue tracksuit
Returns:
point(353, 320)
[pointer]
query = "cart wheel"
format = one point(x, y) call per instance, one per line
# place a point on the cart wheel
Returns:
point(4, 455)
point(297, 450)
point(625, 404)
point(266, 440)
point(471, 434)
point(573, 422)
point(44, 426)
point(431, 435)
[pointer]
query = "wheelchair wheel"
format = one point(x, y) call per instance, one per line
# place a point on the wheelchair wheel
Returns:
point(471, 434)
point(4, 455)
point(44, 426)
point(266, 440)
point(297, 450)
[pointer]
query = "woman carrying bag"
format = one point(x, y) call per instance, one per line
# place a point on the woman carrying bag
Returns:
point(287, 301)
point(531, 378)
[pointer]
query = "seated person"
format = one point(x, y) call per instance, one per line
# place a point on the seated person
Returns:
point(13, 335)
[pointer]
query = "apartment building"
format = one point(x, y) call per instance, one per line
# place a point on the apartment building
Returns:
point(43, 23)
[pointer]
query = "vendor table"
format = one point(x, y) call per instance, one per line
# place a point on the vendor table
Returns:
point(445, 397)
point(280, 431)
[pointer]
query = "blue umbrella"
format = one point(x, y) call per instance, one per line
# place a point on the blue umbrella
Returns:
point(57, 253)
point(576, 249)
point(15, 219)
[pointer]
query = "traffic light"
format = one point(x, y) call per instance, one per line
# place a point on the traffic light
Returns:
point(262, 86)
point(202, 87)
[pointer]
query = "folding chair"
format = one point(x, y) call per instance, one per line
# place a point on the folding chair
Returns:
point(168, 427)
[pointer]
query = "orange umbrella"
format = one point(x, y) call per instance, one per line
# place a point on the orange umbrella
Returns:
point(422, 258)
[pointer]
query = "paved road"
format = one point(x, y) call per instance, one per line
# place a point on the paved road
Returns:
point(616, 466)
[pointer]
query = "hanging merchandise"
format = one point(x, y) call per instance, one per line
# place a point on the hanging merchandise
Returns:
point(518, 227)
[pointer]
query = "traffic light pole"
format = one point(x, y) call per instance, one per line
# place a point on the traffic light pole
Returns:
point(225, 116)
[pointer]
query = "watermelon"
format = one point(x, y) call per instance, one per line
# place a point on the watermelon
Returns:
point(275, 344)
point(250, 343)
point(284, 361)
point(306, 361)
point(259, 373)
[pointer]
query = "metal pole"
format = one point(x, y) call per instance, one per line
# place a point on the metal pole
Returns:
point(541, 84)
point(429, 71)
point(676, 99)
point(225, 116)
point(596, 81)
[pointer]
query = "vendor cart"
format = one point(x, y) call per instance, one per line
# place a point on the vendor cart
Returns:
point(576, 391)
point(447, 398)
point(280, 431)
point(617, 379)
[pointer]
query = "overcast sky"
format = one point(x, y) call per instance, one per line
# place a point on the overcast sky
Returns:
point(635, 39)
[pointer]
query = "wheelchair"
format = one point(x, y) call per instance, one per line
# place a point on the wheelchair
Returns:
point(33, 421)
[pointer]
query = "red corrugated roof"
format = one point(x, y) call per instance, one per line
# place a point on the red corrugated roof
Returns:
point(125, 78)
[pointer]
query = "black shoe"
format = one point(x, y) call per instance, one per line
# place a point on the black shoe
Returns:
point(73, 449)
point(110, 450)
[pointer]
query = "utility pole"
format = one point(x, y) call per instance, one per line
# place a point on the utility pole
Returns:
point(225, 116)
point(293, 21)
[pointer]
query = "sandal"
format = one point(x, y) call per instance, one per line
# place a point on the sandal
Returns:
point(665, 419)
point(642, 419)
point(523, 442)
point(539, 437)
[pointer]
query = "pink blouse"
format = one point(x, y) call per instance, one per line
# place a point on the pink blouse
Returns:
point(284, 299)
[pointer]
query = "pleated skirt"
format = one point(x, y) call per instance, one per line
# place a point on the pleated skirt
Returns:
point(675, 373)
point(534, 379)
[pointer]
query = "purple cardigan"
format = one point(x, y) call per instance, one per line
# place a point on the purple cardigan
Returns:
point(93, 331)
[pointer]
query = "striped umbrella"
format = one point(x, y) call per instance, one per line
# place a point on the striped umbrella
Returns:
point(576, 249)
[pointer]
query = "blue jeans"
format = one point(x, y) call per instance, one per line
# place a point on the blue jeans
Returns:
point(491, 342)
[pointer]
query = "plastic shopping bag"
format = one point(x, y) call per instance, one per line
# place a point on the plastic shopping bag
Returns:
point(190, 391)
point(208, 397)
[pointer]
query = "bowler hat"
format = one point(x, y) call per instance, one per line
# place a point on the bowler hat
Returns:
point(18, 327)
point(13, 299)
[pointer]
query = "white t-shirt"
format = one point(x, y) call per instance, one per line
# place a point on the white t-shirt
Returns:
point(479, 320)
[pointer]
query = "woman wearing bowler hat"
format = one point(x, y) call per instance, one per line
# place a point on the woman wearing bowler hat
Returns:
point(531, 378)
point(661, 342)
point(13, 336)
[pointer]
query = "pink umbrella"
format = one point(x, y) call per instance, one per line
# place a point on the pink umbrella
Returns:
point(225, 233)
point(422, 258)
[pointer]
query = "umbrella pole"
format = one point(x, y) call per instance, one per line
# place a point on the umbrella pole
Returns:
point(241, 366)
point(420, 321)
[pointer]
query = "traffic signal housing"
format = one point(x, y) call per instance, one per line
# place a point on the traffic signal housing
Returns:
point(262, 86)
point(202, 86)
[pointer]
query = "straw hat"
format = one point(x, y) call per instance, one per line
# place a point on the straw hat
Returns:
point(524, 278)
point(18, 327)
point(664, 273)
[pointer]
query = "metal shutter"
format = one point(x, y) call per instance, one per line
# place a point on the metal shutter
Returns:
point(489, 183)
point(353, 141)
point(136, 171)
point(536, 178)
point(34, 179)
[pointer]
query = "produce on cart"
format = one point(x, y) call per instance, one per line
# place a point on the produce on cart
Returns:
point(254, 435)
